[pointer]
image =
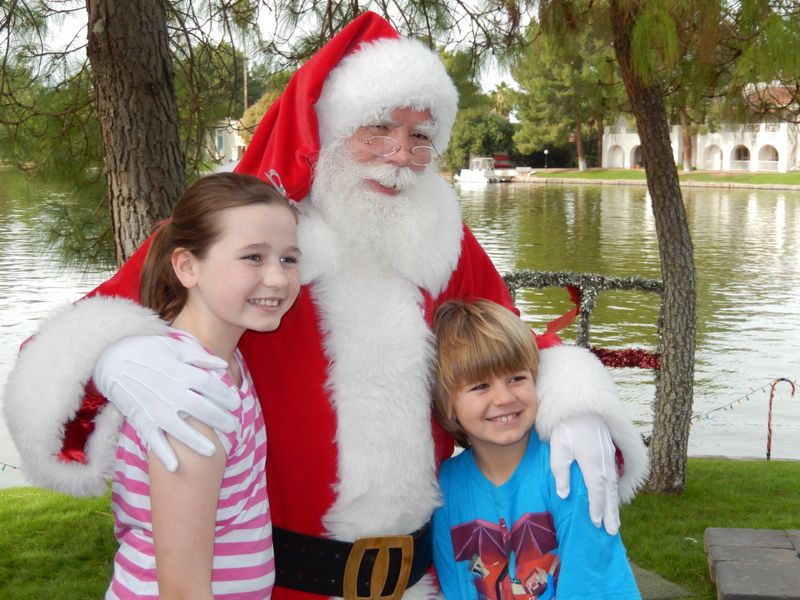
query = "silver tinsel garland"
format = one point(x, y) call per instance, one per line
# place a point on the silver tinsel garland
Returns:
point(588, 286)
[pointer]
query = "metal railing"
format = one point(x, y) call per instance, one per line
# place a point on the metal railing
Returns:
point(740, 165)
point(588, 287)
point(768, 165)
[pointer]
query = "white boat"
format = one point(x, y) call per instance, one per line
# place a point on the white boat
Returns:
point(481, 170)
point(503, 167)
point(504, 175)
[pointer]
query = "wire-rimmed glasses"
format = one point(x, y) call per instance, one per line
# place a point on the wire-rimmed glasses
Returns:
point(383, 146)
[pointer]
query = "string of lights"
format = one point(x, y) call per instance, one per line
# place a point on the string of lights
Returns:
point(747, 397)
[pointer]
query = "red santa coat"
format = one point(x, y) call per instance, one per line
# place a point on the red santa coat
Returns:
point(302, 454)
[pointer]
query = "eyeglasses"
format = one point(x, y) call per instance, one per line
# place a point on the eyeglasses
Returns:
point(383, 146)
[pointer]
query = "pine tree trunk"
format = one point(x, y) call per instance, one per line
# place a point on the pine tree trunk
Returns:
point(579, 150)
point(686, 142)
point(673, 406)
point(136, 107)
point(600, 133)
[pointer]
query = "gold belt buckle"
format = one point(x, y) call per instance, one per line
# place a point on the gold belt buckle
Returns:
point(380, 569)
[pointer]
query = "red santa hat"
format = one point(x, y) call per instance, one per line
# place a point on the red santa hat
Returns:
point(360, 76)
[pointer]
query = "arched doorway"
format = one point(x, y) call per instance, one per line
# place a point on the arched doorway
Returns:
point(740, 158)
point(712, 158)
point(616, 157)
point(636, 158)
point(768, 158)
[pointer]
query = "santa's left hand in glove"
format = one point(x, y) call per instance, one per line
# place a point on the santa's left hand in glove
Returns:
point(586, 439)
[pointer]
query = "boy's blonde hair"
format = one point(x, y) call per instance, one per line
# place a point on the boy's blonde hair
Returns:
point(475, 341)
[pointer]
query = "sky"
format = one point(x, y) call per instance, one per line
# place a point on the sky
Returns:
point(72, 29)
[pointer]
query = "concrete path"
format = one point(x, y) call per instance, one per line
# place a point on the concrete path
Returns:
point(754, 564)
point(654, 587)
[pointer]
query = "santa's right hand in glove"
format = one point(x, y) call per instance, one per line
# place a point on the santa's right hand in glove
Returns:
point(157, 381)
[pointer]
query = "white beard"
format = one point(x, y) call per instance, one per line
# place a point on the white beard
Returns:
point(380, 229)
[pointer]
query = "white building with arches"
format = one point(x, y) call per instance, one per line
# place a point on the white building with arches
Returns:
point(225, 145)
point(767, 146)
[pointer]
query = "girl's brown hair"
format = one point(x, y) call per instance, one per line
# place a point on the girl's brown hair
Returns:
point(476, 341)
point(195, 226)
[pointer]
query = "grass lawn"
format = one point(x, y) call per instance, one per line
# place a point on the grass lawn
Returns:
point(665, 533)
point(700, 176)
point(594, 174)
point(52, 546)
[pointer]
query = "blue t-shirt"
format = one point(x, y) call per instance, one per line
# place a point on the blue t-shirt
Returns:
point(520, 540)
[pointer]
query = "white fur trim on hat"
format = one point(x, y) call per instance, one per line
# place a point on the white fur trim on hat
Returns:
point(571, 382)
point(46, 387)
point(377, 78)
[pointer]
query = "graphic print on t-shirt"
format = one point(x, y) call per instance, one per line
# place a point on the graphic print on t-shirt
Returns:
point(510, 565)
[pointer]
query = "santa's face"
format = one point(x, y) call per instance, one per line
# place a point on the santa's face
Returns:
point(378, 205)
point(402, 140)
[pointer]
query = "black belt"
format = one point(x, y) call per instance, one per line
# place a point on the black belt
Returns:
point(388, 564)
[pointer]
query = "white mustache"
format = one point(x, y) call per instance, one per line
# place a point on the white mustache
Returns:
point(399, 178)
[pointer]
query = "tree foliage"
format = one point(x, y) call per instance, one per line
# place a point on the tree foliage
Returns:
point(200, 107)
point(49, 130)
point(477, 133)
point(567, 91)
point(483, 28)
point(273, 86)
point(478, 130)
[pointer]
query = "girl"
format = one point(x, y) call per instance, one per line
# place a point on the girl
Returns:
point(226, 262)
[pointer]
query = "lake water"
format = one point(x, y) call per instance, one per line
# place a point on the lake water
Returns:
point(747, 251)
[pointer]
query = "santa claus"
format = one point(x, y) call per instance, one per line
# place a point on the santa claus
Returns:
point(344, 383)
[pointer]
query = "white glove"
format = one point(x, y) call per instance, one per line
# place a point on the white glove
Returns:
point(155, 382)
point(586, 439)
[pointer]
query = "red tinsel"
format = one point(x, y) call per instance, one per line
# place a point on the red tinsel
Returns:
point(628, 357)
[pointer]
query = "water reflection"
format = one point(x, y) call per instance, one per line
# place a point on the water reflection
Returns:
point(31, 286)
point(748, 262)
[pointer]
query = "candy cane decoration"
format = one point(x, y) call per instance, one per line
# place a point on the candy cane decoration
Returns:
point(769, 416)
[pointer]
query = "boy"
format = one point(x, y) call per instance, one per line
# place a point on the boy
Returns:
point(503, 532)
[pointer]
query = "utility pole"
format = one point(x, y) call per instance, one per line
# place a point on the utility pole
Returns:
point(244, 79)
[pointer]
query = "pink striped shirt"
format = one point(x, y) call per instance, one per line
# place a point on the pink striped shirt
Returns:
point(244, 566)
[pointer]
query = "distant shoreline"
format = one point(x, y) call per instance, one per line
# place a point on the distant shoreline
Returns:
point(643, 182)
point(695, 179)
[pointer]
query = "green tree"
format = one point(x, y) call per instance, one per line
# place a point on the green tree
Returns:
point(463, 70)
point(566, 90)
point(49, 130)
point(502, 99)
point(477, 132)
point(220, 67)
point(273, 86)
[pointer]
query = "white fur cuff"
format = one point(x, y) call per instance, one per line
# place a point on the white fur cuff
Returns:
point(46, 387)
point(571, 382)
